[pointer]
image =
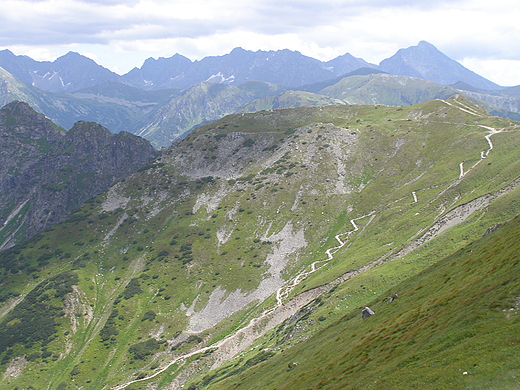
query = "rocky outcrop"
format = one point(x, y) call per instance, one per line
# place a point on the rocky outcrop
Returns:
point(366, 312)
point(47, 172)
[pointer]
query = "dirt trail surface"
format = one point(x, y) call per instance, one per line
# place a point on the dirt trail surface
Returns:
point(226, 349)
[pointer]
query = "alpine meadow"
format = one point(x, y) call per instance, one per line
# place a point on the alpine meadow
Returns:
point(357, 231)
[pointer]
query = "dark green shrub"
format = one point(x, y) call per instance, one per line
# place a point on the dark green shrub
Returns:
point(149, 315)
point(132, 288)
point(145, 348)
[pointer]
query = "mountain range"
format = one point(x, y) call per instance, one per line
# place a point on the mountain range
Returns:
point(332, 246)
point(73, 71)
point(167, 97)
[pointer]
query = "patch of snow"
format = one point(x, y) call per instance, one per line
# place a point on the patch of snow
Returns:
point(220, 78)
point(63, 83)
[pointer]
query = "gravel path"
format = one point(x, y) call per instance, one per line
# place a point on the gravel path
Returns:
point(237, 342)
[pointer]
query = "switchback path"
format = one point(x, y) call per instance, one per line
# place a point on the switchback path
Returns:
point(237, 342)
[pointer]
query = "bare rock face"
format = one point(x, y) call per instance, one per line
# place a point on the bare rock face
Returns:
point(47, 172)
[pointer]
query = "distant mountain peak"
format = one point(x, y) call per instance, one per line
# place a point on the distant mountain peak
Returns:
point(67, 73)
point(426, 44)
point(22, 112)
point(73, 54)
point(427, 62)
point(76, 57)
point(238, 49)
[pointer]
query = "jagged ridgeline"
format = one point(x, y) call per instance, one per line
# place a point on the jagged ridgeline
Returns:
point(46, 172)
point(254, 233)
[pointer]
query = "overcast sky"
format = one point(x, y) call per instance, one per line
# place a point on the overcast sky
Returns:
point(120, 34)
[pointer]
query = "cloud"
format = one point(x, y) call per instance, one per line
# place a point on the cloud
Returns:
point(65, 21)
point(370, 29)
point(500, 71)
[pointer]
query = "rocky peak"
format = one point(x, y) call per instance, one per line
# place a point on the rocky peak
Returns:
point(20, 117)
point(46, 172)
point(427, 62)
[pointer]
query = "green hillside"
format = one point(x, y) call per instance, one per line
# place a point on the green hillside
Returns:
point(386, 89)
point(289, 99)
point(253, 233)
point(455, 325)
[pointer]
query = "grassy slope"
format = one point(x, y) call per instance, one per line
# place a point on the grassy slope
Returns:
point(200, 103)
point(275, 168)
point(455, 325)
point(386, 89)
point(289, 99)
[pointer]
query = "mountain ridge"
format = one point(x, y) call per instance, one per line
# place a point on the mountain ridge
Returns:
point(49, 172)
point(284, 67)
point(253, 205)
point(427, 62)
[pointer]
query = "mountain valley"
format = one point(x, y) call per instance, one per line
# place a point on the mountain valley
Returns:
point(242, 255)
point(168, 97)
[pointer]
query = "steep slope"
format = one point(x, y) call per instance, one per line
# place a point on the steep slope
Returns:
point(67, 73)
point(427, 62)
point(13, 89)
point(506, 99)
point(46, 173)
point(114, 105)
point(125, 95)
point(201, 103)
point(452, 326)
point(235, 228)
point(386, 89)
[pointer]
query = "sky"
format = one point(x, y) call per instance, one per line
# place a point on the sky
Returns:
point(482, 35)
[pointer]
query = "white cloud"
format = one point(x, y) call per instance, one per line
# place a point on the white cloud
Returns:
point(484, 34)
point(502, 72)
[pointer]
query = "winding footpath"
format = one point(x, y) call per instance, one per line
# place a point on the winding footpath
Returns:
point(281, 293)
point(284, 308)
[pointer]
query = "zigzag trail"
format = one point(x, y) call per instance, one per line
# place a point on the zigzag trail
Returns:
point(280, 294)
point(285, 290)
point(237, 342)
point(483, 154)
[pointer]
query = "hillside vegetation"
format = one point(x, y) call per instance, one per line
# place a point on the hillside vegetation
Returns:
point(251, 234)
point(453, 326)
point(46, 173)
